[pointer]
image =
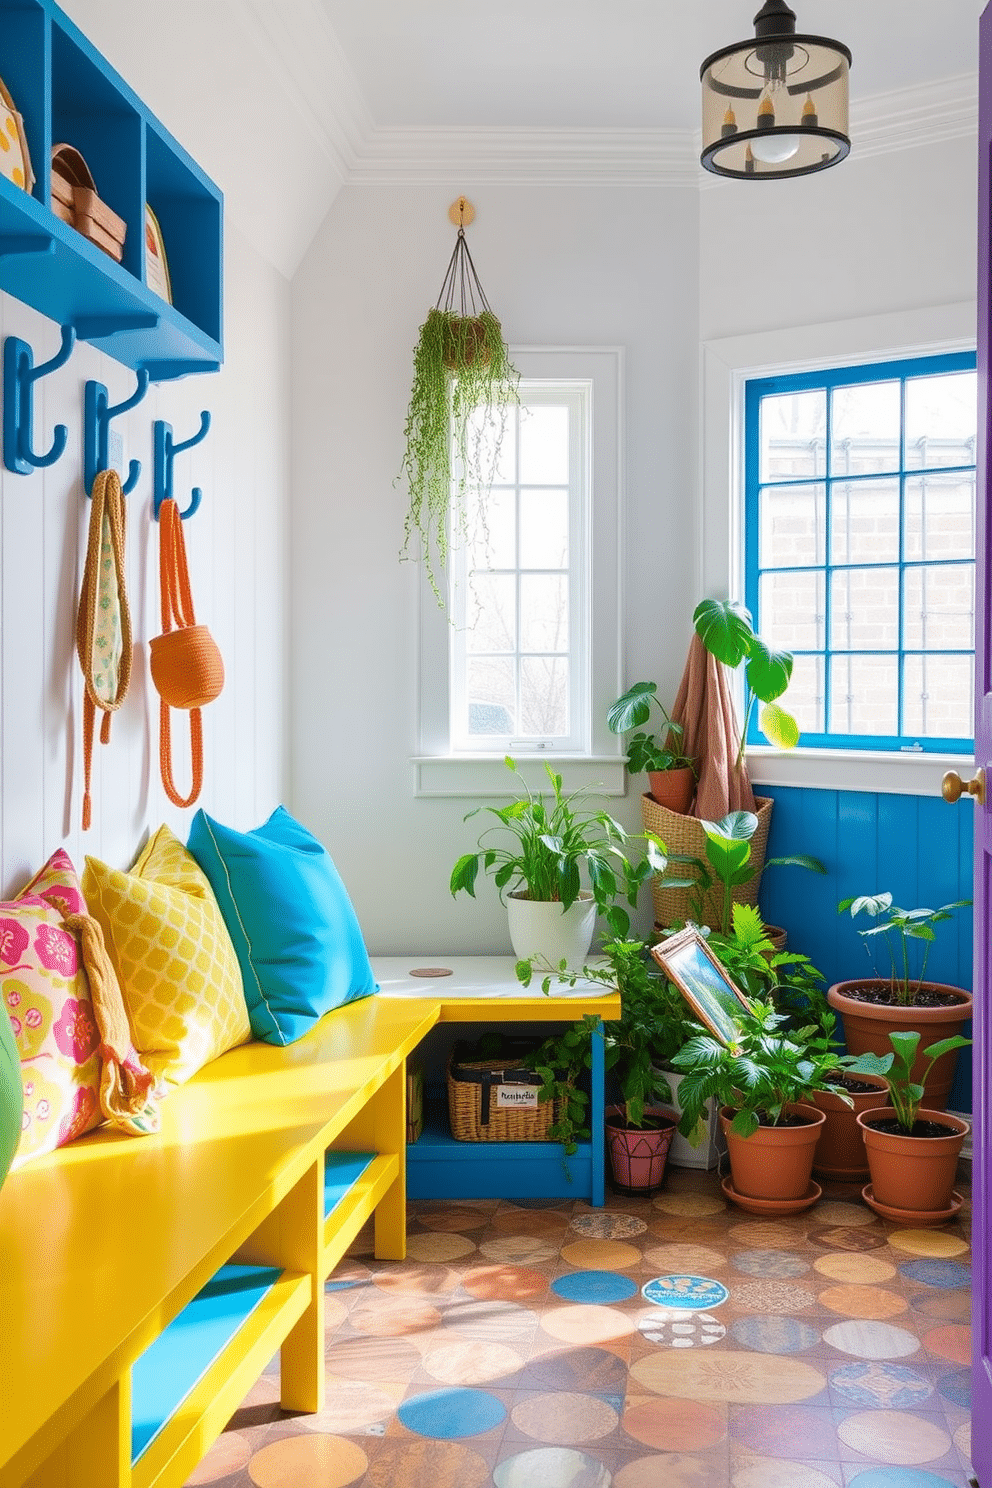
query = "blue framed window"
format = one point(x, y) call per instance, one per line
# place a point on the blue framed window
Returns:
point(860, 548)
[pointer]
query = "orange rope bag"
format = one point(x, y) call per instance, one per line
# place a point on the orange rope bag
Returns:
point(186, 665)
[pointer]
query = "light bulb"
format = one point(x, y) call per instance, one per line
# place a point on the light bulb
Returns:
point(774, 147)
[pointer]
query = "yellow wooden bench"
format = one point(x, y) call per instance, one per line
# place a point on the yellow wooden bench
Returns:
point(104, 1242)
point(146, 1282)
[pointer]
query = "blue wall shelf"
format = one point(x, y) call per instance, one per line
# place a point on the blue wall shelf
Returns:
point(67, 92)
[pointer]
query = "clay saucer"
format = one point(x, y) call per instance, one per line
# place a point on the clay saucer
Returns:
point(772, 1206)
point(918, 1218)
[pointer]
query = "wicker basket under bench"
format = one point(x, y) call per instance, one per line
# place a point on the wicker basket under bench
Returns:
point(496, 1100)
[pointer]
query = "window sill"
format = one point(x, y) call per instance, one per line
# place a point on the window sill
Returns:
point(850, 770)
point(486, 774)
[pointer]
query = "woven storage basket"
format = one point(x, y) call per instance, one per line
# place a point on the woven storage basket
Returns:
point(75, 200)
point(472, 1109)
point(684, 835)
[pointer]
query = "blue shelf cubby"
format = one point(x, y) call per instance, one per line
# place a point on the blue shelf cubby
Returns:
point(68, 93)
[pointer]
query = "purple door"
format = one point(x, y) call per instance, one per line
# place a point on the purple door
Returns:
point(981, 1439)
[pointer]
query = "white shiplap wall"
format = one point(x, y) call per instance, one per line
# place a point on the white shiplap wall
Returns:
point(236, 546)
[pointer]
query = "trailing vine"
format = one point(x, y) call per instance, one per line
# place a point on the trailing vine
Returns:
point(451, 453)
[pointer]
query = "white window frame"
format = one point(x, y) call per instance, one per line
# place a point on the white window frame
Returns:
point(727, 364)
point(597, 760)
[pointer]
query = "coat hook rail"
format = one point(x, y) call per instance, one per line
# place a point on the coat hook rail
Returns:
point(19, 377)
point(166, 450)
point(98, 412)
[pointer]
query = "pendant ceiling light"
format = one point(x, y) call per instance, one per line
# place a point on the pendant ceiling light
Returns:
point(775, 106)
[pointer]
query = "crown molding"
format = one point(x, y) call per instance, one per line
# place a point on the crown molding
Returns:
point(654, 157)
point(900, 120)
point(909, 117)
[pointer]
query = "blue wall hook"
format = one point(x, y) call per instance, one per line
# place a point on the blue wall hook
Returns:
point(166, 450)
point(96, 431)
point(19, 377)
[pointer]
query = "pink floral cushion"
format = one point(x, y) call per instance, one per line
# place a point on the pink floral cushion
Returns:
point(46, 993)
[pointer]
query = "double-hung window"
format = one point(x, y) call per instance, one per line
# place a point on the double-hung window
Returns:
point(523, 660)
point(860, 551)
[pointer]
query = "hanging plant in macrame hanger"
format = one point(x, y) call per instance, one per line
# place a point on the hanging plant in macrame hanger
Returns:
point(460, 365)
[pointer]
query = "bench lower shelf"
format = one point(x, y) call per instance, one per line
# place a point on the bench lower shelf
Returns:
point(440, 1167)
point(187, 1383)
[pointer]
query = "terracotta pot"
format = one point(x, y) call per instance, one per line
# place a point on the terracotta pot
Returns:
point(776, 934)
point(913, 1173)
point(673, 789)
point(638, 1155)
point(775, 1162)
point(539, 928)
point(840, 1152)
point(867, 1026)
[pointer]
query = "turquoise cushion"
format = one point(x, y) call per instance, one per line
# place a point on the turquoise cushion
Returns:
point(291, 921)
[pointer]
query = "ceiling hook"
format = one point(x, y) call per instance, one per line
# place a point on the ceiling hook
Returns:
point(461, 213)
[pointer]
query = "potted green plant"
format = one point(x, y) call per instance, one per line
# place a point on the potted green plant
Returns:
point(537, 853)
point(640, 1126)
point(725, 628)
point(755, 965)
point(729, 874)
point(759, 968)
point(912, 1150)
point(671, 773)
point(763, 1082)
point(873, 1007)
point(461, 365)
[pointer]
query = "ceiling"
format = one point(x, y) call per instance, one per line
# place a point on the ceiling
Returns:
point(285, 101)
point(607, 64)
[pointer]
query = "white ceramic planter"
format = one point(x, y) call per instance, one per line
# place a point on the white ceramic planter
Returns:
point(708, 1151)
point(541, 929)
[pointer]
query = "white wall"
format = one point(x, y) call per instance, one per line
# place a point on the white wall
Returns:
point(561, 265)
point(888, 233)
point(236, 545)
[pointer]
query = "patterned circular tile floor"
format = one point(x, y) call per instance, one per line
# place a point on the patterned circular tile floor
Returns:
point(516, 1347)
point(601, 1226)
point(896, 1437)
point(551, 1467)
point(332, 1461)
point(595, 1286)
point(869, 1340)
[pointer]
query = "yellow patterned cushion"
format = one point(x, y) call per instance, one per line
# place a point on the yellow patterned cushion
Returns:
point(178, 971)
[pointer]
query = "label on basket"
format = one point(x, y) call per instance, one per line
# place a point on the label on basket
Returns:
point(516, 1097)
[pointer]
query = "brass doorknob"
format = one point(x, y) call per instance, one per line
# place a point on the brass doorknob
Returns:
point(952, 787)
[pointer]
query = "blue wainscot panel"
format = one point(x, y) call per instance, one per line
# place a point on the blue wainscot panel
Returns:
point(917, 847)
